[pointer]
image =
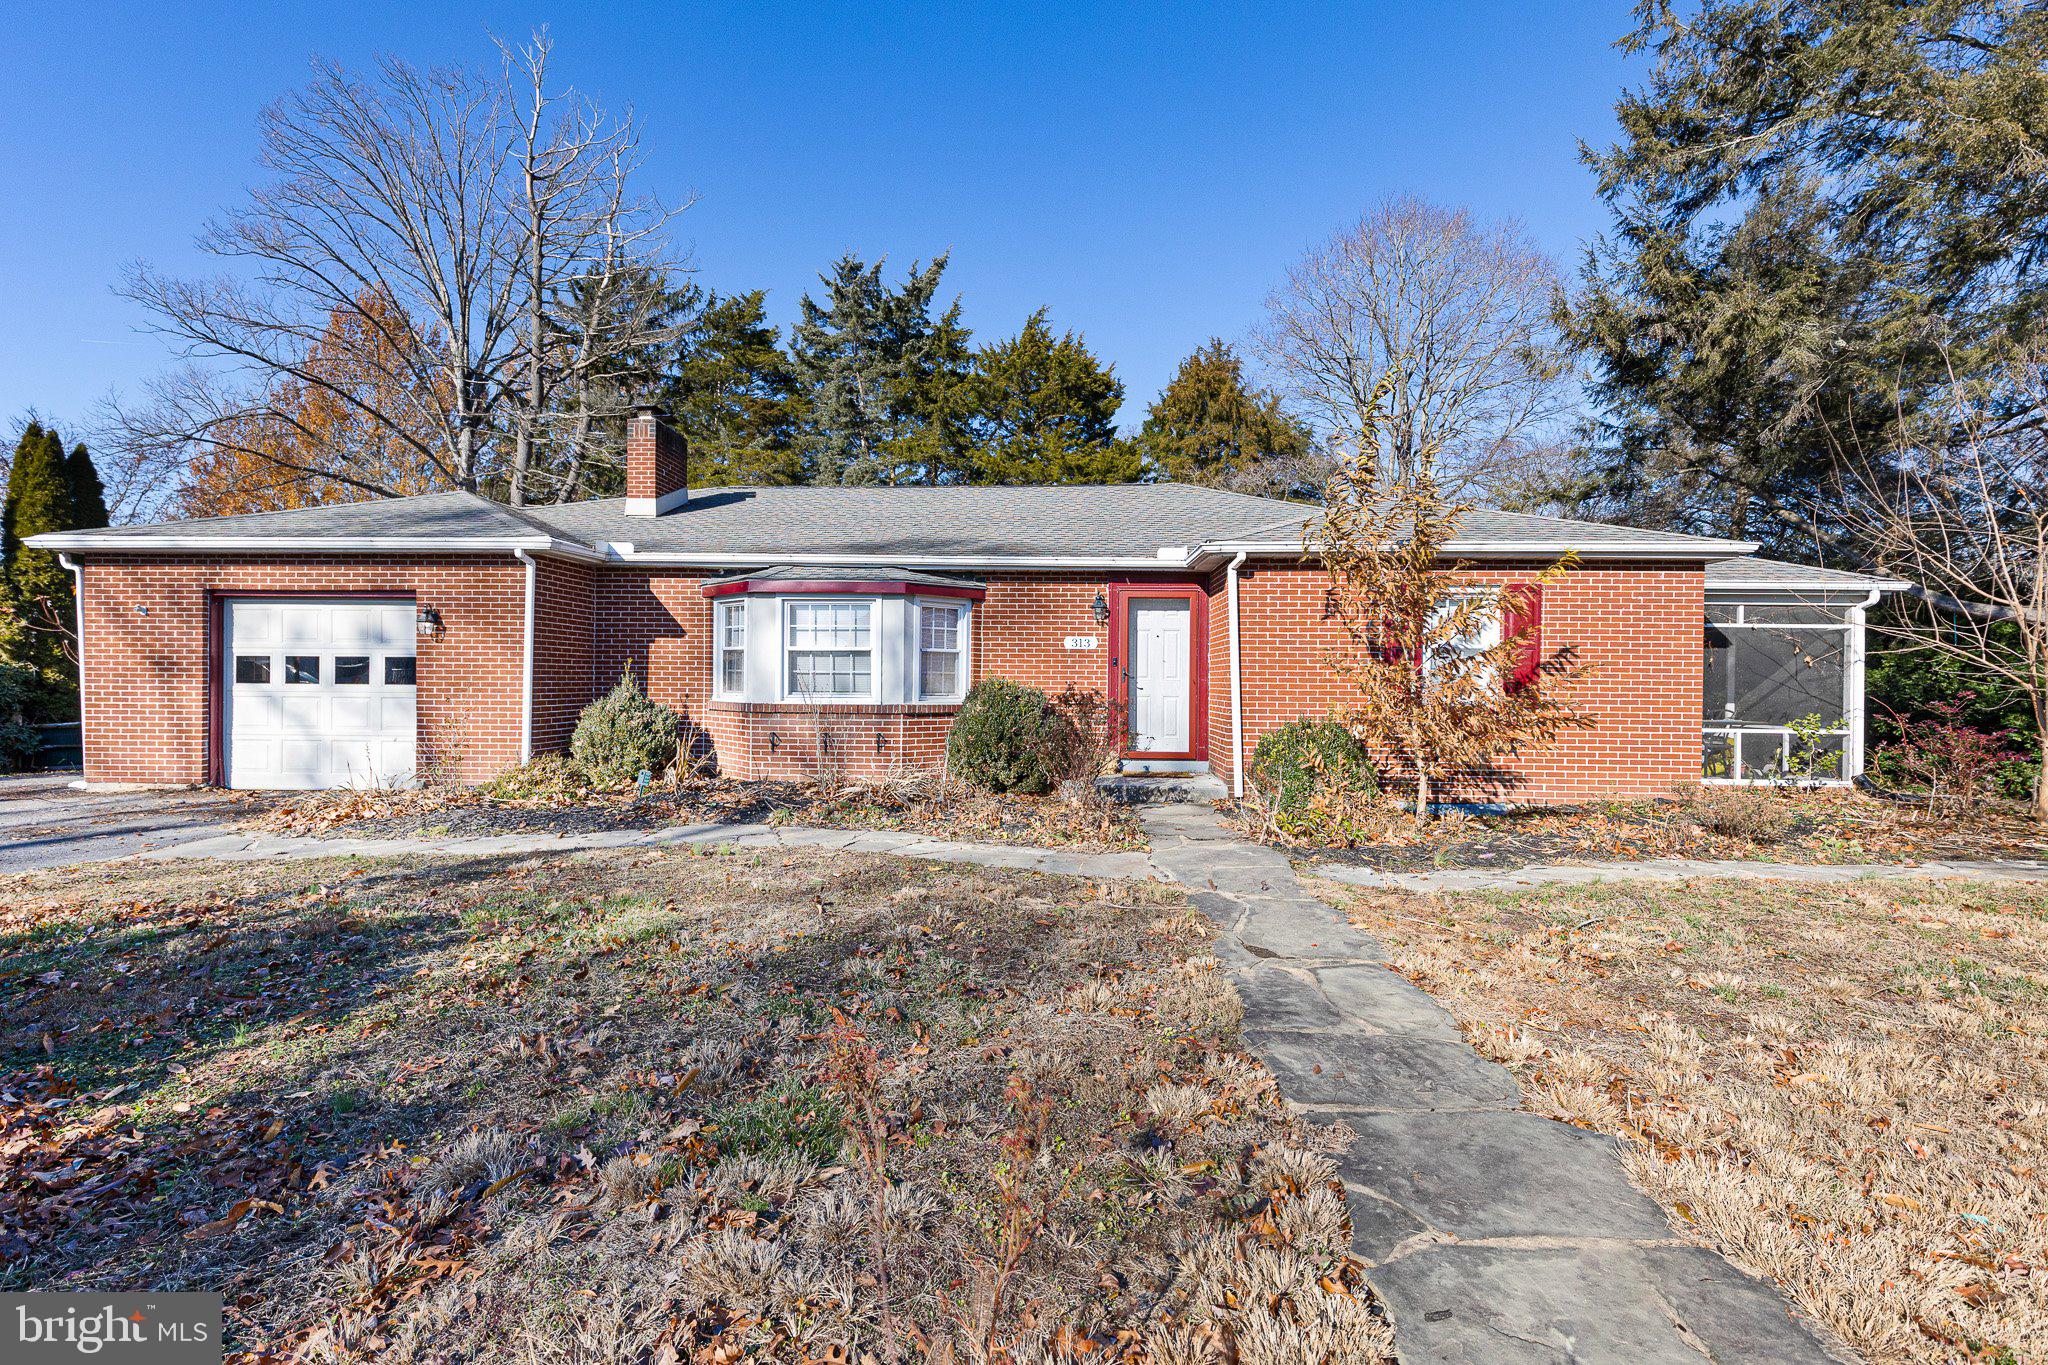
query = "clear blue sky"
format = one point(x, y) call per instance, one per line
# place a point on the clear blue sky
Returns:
point(1146, 172)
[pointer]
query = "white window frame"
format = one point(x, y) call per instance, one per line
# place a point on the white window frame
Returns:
point(736, 605)
point(1496, 634)
point(786, 652)
point(963, 616)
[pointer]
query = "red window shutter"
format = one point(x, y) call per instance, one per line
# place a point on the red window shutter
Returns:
point(1524, 618)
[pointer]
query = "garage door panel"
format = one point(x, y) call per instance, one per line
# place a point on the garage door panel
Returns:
point(341, 723)
point(395, 628)
point(306, 625)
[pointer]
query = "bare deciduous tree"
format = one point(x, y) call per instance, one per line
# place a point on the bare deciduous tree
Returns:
point(1960, 512)
point(482, 210)
point(1459, 315)
point(1446, 671)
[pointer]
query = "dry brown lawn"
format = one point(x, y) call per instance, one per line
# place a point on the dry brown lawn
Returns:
point(1843, 1088)
point(658, 1107)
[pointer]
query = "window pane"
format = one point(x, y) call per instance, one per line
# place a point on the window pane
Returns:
point(1718, 756)
point(302, 668)
point(939, 627)
point(938, 674)
point(732, 625)
point(828, 625)
point(733, 671)
point(352, 669)
point(1763, 755)
point(399, 670)
point(252, 668)
point(835, 673)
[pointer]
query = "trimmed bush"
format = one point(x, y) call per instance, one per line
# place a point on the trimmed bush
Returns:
point(622, 734)
point(1010, 738)
point(1307, 758)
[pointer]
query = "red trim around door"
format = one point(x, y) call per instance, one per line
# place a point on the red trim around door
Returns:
point(217, 655)
point(1198, 659)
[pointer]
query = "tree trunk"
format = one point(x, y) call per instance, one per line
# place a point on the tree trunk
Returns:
point(1421, 794)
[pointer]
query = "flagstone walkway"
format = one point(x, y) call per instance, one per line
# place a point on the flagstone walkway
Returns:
point(1490, 1234)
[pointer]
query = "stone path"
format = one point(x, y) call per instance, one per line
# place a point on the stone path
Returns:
point(1491, 1234)
point(248, 847)
point(1672, 870)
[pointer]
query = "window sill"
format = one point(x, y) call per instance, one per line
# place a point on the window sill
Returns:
point(836, 708)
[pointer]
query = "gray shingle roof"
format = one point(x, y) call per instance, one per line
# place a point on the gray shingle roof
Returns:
point(1748, 571)
point(454, 516)
point(1115, 520)
point(775, 525)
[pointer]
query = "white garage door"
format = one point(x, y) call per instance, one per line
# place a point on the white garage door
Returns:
point(319, 694)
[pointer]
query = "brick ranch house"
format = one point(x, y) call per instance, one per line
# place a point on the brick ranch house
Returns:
point(804, 628)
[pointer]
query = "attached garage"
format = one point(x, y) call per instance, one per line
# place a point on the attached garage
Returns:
point(318, 693)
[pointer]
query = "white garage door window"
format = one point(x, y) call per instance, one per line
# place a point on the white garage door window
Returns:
point(319, 694)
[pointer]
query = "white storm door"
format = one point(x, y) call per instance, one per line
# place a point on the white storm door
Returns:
point(319, 694)
point(1160, 692)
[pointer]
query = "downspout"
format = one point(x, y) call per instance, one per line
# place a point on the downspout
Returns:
point(526, 679)
point(78, 624)
point(1236, 683)
point(1852, 760)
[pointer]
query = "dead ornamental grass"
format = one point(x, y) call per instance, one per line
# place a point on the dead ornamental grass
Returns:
point(664, 1106)
point(1842, 1088)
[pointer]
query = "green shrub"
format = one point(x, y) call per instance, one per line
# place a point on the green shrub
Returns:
point(1304, 759)
point(622, 734)
point(1011, 738)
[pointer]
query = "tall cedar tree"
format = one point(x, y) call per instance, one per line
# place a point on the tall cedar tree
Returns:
point(1814, 202)
point(43, 486)
point(858, 356)
point(1208, 424)
point(1045, 412)
point(732, 393)
point(1426, 699)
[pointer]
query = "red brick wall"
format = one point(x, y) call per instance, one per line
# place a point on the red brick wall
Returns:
point(1638, 625)
point(147, 677)
point(146, 708)
point(565, 650)
point(659, 622)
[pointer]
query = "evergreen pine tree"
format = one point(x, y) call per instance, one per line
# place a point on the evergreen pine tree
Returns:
point(860, 356)
point(37, 586)
point(731, 391)
point(1208, 423)
point(88, 494)
point(1045, 412)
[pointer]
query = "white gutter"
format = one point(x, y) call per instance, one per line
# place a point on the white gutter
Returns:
point(1606, 549)
point(1812, 585)
point(1236, 684)
point(526, 679)
point(102, 544)
point(627, 553)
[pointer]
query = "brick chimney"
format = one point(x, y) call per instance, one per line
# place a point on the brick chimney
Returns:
point(657, 464)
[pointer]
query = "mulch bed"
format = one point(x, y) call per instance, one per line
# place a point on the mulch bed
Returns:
point(951, 812)
point(1812, 827)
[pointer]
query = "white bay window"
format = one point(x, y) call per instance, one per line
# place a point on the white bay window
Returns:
point(821, 640)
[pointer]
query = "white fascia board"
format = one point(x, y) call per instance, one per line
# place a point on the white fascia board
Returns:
point(1699, 550)
point(101, 544)
point(626, 553)
point(1806, 588)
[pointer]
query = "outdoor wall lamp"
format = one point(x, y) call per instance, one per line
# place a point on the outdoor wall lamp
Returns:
point(428, 623)
point(1101, 608)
